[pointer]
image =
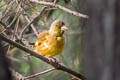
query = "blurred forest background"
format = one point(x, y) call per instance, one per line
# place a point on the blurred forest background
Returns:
point(16, 14)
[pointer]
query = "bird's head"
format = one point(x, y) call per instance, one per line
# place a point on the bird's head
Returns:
point(57, 28)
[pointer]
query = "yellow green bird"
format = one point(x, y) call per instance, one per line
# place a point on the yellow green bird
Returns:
point(51, 43)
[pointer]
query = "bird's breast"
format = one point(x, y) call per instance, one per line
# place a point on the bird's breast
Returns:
point(51, 47)
point(56, 46)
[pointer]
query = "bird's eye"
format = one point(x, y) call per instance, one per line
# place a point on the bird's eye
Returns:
point(58, 26)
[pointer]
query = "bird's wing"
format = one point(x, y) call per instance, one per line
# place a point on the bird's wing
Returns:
point(42, 38)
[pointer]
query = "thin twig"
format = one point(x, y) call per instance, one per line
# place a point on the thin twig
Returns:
point(5, 45)
point(55, 1)
point(40, 73)
point(34, 29)
point(16, 75)
point(58, 66)
point(14, 19)
point(7, 9)
point(36, 18)
point(13, 59)
point(60, 7)
point(1, 23)
point(32, 26)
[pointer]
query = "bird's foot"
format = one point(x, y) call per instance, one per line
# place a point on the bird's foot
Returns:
point(53, 61)
point(50, 59)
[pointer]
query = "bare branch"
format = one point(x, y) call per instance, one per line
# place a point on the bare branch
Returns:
point(1, 23)
point(58, 66)
point(33, 27)
point(40, 73)
point(36, 18)
point(60, 7)
point(16, 75)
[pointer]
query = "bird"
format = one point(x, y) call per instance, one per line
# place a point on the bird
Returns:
point(51, 42)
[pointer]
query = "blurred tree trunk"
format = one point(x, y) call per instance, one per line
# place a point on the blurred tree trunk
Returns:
point(102, 45)
point(117, 42)
point(4, 67)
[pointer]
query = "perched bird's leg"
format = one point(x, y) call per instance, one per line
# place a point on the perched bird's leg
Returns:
point(56, 60)
point(53, 60)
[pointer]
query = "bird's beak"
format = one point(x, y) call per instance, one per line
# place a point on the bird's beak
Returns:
point(64, 28)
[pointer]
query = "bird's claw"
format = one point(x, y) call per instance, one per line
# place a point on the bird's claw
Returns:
point(53, 60)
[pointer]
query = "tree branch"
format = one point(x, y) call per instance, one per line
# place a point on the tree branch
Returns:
point(35, 19)
point(17, 75)
point(40, 73)
point(60, 7)
point(58, 66)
